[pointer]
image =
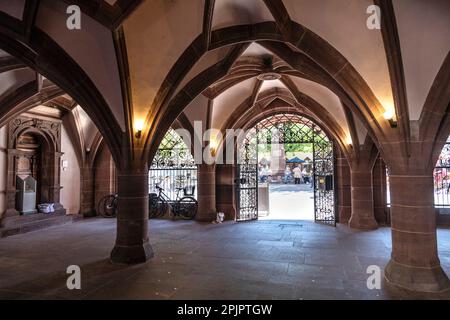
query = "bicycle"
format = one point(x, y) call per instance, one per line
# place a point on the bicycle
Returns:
point(185, 206)
point(107, 206)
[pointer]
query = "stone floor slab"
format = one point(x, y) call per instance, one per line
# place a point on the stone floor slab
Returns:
point(254, 260)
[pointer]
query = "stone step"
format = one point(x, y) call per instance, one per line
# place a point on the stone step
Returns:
point(38, 222)
point(21, 219)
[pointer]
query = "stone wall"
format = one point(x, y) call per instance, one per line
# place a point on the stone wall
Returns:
point(379, 192)
point(3, 163)
point(225, 190)
point(343, 191)
point(104, 174)
point(70, 177)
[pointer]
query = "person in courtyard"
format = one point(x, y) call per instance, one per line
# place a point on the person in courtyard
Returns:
point(263, 174)
point(306, 177)
point(287, 175)
point(297, 175)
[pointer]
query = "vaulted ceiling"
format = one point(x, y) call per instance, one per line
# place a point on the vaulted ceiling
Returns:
point(153, 59)
point(28, 93)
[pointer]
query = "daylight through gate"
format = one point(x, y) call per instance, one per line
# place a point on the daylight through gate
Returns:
point(286, 129)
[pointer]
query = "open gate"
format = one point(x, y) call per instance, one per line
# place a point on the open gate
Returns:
point(247, 181)
point(286, 129)
point(323, 179)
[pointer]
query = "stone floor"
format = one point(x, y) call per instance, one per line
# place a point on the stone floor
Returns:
point(252, 260)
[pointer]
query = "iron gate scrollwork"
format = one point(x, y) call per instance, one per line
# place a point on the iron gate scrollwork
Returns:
point(173, 166)
point(286, 129)
point(323, 169)
point(247, 182)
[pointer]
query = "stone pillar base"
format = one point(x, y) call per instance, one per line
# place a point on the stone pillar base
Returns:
point(206, 195)
point(206, 217)
point(344, 213)
point(131, 254)
point(229, 210)
point(363, 216)
point(362, 223)
point(11, 212)
point(416, 278)
point(132, 244)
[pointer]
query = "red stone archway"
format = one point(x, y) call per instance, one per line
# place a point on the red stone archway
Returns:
point(49, 134)
point(337, 74)
point(45, 56)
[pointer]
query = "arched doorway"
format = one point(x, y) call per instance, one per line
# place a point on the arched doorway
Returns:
point(30, 151)
point(173, 166)
point(34, 150)
point(286, 137)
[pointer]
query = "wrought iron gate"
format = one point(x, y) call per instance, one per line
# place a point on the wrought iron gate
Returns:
point(287, 129)
point(323, 169)
point(173, 167)
point(247, 181)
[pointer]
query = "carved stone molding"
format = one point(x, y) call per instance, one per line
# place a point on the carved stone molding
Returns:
point(49, 133)
point(51, 130)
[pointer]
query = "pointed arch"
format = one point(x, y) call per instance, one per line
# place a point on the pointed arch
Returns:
point(45, 56)
point(342, 76)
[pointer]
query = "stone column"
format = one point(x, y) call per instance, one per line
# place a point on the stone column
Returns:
point(414, 261)
point(104, 176)
point(362, 217)
point(225, 190)
point(87, 207)
point(54, 178)
point(206, 194)
point(11, 185)
point(379, 192)
point(132, 243)
point(343, 190)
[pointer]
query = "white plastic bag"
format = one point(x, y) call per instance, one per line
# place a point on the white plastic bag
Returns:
point(220, 217)
point(46, 207)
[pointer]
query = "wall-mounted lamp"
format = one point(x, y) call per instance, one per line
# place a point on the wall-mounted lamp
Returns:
point(138, 127)
point(213, 147)
point(389, 116)
point(349, 141)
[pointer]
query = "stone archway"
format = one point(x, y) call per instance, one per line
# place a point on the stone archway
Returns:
point(48, 136)
point(245, 116)
point(329, 62)
point(42, 54)
point(288, 129)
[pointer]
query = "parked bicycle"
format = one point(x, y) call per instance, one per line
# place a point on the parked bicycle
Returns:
point(184, 206)
point(107, 206)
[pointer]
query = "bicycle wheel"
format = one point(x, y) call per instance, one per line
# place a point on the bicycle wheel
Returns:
point(157, 208)
point(187, 208)
point(107, 206)
point(152, 205)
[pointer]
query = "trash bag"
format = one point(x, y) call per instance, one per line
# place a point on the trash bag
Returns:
point(46, 207)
